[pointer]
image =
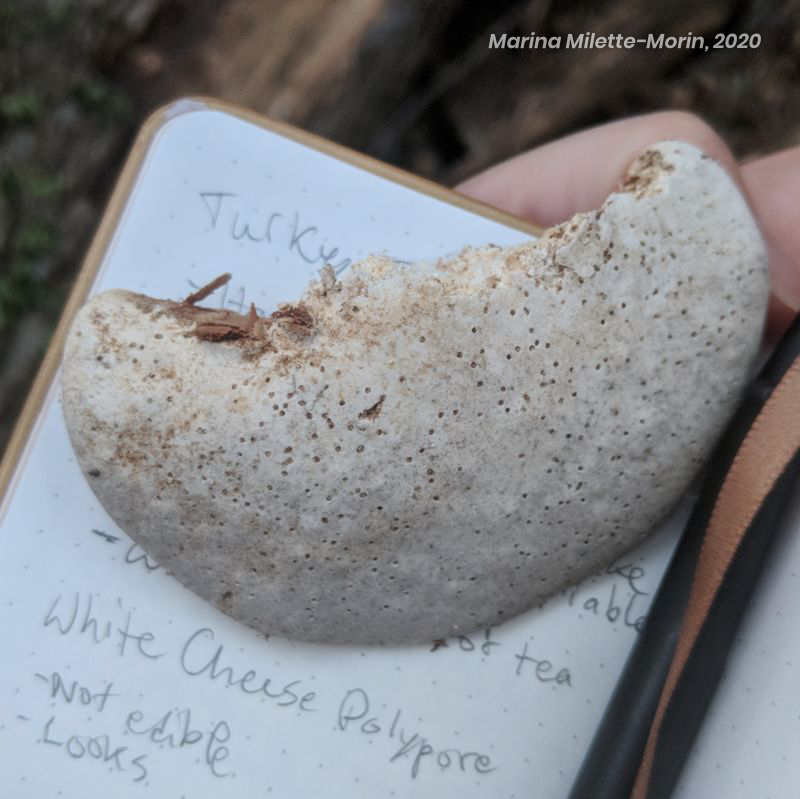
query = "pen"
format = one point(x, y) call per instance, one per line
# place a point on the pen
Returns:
point(670, 676)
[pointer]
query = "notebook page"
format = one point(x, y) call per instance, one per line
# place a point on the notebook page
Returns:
point(117, 679)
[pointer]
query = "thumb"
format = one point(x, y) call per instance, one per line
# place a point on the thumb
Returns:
point(773, 184)
point(549, 184)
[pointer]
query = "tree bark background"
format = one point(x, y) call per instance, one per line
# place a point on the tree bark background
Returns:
point(410, 81)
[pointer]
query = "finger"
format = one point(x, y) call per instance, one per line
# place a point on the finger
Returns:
point(549, 184)
point(773, 184)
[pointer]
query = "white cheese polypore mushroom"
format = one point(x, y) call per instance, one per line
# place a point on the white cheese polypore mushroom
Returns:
point(415, 451)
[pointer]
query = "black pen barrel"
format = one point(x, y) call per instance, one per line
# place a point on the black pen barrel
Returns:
point(612, 761)
point(610, 766)
point(706, 663)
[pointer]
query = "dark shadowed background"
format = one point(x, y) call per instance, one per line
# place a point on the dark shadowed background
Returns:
point(411, 82)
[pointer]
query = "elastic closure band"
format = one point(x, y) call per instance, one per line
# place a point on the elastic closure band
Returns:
point(771, 443)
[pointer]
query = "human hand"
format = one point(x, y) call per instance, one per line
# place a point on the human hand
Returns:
point(549, 184)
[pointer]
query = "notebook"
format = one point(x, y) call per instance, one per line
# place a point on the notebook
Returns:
point(117, 680)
